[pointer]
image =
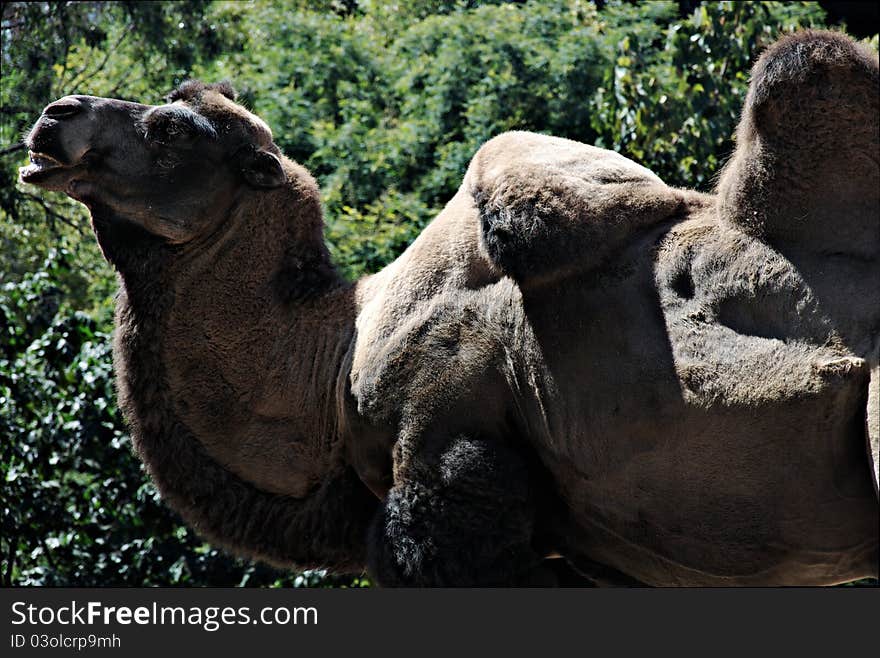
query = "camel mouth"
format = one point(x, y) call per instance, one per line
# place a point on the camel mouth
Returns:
point(41, 168)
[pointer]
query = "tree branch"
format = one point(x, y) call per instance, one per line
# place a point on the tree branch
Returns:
point(6, 150)
point(54, 214)
point(66, 38)
point(110, 51)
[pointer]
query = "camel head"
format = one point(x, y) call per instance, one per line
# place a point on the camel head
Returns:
point(173, 170)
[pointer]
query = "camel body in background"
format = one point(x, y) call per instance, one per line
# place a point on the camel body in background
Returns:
point(573, 359)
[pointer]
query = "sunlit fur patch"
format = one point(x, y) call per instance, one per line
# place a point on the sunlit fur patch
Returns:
point(176, 119)
point(192, 89)
point(217, 102)
point(214, 104)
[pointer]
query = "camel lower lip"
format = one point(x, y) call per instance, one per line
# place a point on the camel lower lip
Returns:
point(35, 172)
point(41, 166)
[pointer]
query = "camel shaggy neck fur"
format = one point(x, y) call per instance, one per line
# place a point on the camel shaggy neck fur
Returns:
point(572, 359)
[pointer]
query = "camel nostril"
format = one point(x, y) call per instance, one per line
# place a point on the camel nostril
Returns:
point(64, 108)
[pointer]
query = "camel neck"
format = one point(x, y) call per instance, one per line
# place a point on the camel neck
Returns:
point(254, 345)
point(232, 394)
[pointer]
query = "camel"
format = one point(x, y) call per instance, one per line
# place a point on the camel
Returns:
point(573, 361)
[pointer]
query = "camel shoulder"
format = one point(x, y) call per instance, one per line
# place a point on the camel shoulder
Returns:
point(548, 205)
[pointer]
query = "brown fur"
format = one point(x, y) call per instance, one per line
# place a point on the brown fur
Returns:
point(661, 386)
point(807, 148)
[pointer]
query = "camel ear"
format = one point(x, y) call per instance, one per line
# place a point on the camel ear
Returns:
point(262, 169)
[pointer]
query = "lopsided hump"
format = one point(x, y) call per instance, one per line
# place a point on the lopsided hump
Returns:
point(811, 65)
point(796, 56)
point(192, 89)
point(805, 169)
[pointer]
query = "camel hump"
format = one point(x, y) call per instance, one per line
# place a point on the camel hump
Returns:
point(550, 206)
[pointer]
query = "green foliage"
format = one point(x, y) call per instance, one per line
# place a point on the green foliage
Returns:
point(385, 103)
point(360, 240)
